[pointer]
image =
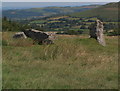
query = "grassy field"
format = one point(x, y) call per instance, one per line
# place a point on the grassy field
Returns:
point(73, 62)
point(108, 12)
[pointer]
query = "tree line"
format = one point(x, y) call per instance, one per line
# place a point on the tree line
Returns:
point(8, 25)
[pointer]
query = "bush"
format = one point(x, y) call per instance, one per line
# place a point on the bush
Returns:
point(83, 27)
point(74, 32)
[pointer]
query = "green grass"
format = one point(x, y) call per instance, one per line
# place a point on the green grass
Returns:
point(106, 12)
point(38, 21)
point(73, 62)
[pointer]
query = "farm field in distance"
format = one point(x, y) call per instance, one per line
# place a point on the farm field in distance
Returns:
point(63, 23)
point(74, 61)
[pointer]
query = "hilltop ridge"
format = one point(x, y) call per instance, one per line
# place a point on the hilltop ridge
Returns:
point(43, 12)
point(107, 12)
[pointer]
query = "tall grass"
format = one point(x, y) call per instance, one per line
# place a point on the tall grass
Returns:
point(69, 63)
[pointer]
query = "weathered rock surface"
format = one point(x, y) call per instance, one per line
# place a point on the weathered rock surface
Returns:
point(37, 36)
point(19, 35)
point(96, 31)
point(100, 35)
point(93, 30)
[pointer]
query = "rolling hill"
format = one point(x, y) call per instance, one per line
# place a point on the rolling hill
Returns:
point(108, 12)
point(43, 12)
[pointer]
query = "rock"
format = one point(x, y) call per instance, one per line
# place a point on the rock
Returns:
point(47, 41)
point(37, 36)
point(96, 31)
point(52, 35)
point(100, 35)
point(93, 31)
point(20, 35)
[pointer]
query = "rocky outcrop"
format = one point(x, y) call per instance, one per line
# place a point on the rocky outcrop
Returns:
point(96, 31)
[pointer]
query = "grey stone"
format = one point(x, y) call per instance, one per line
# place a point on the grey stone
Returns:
point(37, 36)
point(47, 41)
point(19, 35)
point(96, 31)
point(100, 35)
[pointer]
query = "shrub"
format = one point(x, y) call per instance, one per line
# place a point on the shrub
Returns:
point(74, 32)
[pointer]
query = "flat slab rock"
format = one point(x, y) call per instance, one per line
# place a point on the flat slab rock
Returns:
point(37, 36)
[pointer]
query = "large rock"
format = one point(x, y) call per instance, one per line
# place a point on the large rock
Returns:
point(100, 35)
point(96, 31)
point(37, 36)
point(93, 30)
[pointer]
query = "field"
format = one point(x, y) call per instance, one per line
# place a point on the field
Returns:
point(108, 12)
point(72, 62)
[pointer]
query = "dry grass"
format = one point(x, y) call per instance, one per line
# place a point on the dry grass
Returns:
point(72, 62)
point(8, 40)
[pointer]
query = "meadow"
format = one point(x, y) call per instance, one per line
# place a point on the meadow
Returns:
point(72, 62)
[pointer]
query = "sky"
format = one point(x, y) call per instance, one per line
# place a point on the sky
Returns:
point(60, 0)
point(25, 5)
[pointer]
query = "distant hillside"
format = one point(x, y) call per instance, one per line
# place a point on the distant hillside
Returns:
point(108, 12)
point(42, 12)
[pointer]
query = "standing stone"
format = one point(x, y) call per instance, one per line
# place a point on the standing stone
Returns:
point(93, 31)
point(96, 31)
point(100, 35)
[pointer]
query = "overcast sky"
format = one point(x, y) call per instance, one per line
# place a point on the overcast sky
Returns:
point(59, 0)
